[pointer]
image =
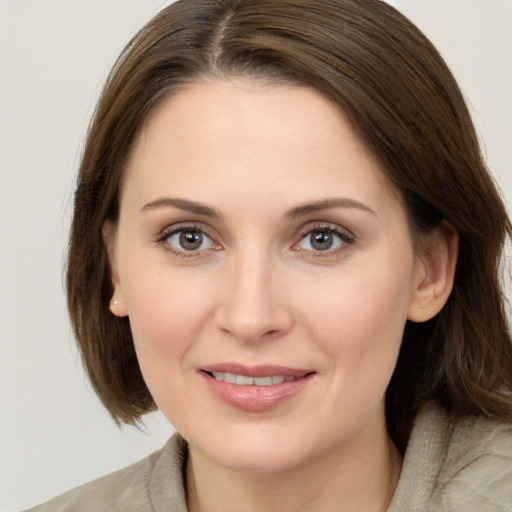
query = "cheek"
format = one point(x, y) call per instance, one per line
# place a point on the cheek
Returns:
point(362, 318)
point(164, 310)
point(165, 313)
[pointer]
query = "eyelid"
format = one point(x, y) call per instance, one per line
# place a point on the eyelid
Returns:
point(346, 236)
point(180, 226)
point(172, 229)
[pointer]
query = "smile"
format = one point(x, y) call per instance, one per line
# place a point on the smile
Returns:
point(255, 388)
point(245, 380)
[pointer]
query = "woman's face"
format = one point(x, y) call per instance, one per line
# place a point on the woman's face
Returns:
point(267, 271)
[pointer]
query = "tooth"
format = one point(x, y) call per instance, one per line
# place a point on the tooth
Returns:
point(230, 377)
point(244, 380)
point(263, 381)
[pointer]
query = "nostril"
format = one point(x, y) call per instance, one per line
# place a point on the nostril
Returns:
point(257, 319)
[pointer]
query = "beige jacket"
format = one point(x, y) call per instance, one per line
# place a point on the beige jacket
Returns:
point(449, 466)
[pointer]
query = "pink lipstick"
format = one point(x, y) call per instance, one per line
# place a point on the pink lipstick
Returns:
point(255, 388)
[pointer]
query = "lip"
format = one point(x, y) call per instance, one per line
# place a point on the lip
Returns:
point(256, 371)
point(255, 398)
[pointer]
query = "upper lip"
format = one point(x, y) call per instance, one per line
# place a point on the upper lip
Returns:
point(255, 370)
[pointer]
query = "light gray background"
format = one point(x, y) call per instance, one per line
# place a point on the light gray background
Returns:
point(54, 56)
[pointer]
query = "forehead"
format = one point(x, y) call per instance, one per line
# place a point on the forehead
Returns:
point(284, 138)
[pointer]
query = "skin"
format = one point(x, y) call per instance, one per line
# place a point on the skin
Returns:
point(258, 291)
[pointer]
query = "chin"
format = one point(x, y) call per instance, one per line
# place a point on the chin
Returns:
point(258, 461)
point(263, 453)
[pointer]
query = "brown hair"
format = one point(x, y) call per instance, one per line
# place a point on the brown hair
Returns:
point(404, 103)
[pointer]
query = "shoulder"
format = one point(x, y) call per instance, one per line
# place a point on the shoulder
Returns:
point(154, 483)
point(476, 474)
point(456, 465)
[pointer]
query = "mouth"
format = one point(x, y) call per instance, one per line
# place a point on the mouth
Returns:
point(257, 388)
point(247, 380)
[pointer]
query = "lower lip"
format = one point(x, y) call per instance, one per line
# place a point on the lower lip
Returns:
point(255, 398)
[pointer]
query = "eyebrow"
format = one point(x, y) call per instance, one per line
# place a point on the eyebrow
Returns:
point(326, 204)
point(293, 213)
point(182, 204)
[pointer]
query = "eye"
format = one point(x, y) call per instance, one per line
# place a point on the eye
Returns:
point(188, 240)
point(324, 239)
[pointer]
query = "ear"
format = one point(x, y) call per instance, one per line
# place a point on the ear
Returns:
point(435, 272)
point(117, 303)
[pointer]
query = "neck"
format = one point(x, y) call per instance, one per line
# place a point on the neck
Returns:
point(360, 477)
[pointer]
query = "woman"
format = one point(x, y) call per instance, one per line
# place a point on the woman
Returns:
point(286, 239)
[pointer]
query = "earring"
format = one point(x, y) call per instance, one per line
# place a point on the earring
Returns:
point(115, 302)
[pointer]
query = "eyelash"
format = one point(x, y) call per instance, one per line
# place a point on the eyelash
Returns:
point(344, 236)
point(170, 231)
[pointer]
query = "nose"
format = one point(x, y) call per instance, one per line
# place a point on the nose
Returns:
point(253, 305)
